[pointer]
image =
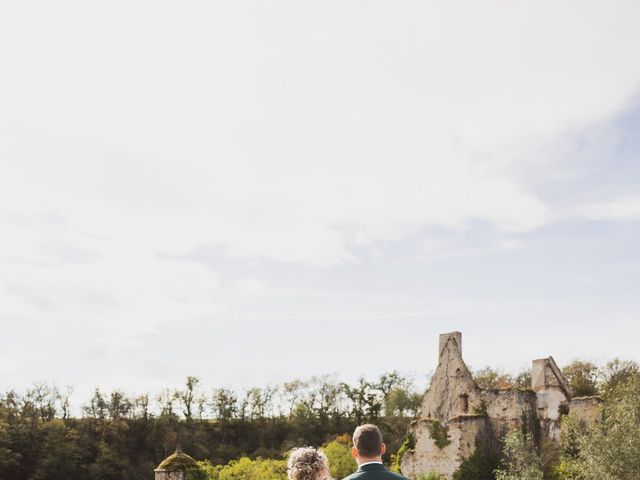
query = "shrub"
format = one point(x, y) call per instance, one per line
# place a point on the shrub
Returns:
point(243, 469)
point(432, 475)
point(408, 444)
point(520, 461)
point(341, 462)
point(479, 466)
point(439, 434)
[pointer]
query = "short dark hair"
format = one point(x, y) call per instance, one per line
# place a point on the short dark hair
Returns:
point(368, 440)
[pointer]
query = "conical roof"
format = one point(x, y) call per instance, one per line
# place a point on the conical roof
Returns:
point(177, 462)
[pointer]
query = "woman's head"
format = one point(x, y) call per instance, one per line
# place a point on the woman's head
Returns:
point(307, 463)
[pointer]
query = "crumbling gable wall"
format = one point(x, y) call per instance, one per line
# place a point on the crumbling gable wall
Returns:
point(452, 391)
point(553, 395)
point(587, 409)
point(453, 418)
point(457, 416)
point(462, 435)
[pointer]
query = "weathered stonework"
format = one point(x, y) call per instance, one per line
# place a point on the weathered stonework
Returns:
point(509, 409)
point(170, 475)
point(453, 391)
point(553, 395)
point(587, 409)
point(462, 433)
point(471, 417)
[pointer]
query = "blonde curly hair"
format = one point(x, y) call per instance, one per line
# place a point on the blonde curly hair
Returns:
point(308, 463)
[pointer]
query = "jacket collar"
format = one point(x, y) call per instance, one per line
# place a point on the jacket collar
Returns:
point(371, 466)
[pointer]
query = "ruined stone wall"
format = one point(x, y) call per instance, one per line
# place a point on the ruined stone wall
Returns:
point(452, 391)
point(553, 394)
point(510, 409)
point(169, 475)
point(551, 403)
point(463, 433)
point(587, 409)
point(472, 416)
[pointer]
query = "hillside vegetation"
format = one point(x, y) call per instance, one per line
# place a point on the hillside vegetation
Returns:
point(247, 435)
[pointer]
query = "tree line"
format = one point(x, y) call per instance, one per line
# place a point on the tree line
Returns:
point(246, 434)
point(120, 436)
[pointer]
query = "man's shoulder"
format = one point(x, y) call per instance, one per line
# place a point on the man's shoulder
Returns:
point(394, 476)
point(376, 475)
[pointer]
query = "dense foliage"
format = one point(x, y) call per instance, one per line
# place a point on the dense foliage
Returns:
point(606, 450)
point(245, 435)
point(341, 462)
point(243, 469)
point(520, 460)
point(479, 466)
point(609, 449)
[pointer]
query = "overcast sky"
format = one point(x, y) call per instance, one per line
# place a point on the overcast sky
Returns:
point(252, 192)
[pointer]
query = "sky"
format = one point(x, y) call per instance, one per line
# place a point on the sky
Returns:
point(253, 192)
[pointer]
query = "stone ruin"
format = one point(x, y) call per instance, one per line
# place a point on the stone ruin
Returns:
point(458, 417)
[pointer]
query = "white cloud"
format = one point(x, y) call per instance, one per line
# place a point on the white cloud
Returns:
point(288, 132)
point(272, 131)
point(625, 208)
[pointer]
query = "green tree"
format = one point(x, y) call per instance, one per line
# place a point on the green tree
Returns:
point(617, 372)
point(364, 399)
point(247, 469)
point(341, 462)
point(523, 380)
point(520, 461)
point(402, 402)
point(582, 377)
point(118, 406)
point(481, 465)
point(205, 471)
point(490, 378)
point(327, 395)
point(43, 399)
point(260, 402)
point(188, 397)
point(8, 459)
point(61, 455)
point(609, 450)
point(292, 393)
point(97, 407)
point(166, 402)
point(109, 465)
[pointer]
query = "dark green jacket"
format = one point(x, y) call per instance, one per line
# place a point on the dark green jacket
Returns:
point(374, 471)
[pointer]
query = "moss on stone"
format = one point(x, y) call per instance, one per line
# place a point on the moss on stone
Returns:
point(439, 434)
point(408, 444)
point(177, 462)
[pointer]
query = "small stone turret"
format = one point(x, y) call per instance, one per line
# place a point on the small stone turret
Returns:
point(175, 466)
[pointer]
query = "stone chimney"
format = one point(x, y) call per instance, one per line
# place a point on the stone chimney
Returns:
point(553, 394)
point(452, 391)
point(445, 337)
point(545, 374)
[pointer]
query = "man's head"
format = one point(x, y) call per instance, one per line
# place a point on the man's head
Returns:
point(367, 444)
